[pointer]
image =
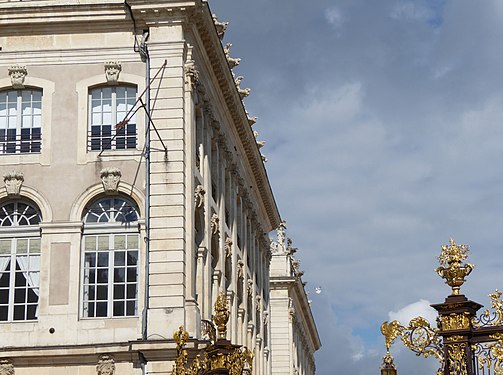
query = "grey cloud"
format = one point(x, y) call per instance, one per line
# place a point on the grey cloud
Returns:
point(384, 138)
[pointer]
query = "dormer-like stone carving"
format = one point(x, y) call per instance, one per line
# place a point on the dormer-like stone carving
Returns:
point(112, 72)
point(13, 182)
point(220, 26)
point(110, 177)
point(17, 75)
point(233, 62)
point(106, 365)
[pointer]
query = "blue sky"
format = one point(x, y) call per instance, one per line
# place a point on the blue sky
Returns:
point(384, 130)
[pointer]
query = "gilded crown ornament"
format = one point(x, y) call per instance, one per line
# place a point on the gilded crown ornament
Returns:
point(451, 267)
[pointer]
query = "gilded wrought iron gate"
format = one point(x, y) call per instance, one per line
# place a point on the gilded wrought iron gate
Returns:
point(464, 343)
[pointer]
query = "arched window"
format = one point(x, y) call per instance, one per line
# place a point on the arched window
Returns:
point(19, 260)
point(20, 121)
point(110, 258)
point(108, 107)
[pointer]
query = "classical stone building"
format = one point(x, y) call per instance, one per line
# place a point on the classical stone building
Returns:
point(134, 192)
point(294, 337)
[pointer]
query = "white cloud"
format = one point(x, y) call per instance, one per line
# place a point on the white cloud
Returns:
point(419, 308)
point(334, 17)
point(411, 11)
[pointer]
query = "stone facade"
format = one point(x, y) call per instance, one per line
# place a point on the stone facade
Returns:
point(294, 337)
point(106, 285)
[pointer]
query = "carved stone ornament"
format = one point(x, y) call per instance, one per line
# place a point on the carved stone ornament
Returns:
point(110, 177)
point(258, 304)
point(290, 250)
point(17, 75)
point(106, 365)
point(221, 27)
point(291, 309)
point(240, 269)
point(6, 367)
point(191, 73)
point(252, 120)
point(243, 93)
point(13, 182)
point(199, 196)
point(228, 247)
point(112, 72)
point(249, 287)
point(215, 227)
point(233, 62)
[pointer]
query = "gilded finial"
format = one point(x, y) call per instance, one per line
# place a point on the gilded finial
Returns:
point(388, 366)
point(221, 316)
point(451, 267)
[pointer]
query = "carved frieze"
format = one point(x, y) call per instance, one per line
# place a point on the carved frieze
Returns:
point(110, 177)
point(455, 321)
point(106, 365)
point(13, 182)
point(112, 72)
point(17, 75)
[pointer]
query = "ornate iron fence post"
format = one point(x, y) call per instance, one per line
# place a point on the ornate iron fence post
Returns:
point(221, 357)
point(463, 343)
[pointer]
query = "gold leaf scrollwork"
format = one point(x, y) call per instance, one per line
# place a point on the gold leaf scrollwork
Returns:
point(457, 359)
point(491, 318)
point(418, 336)
point(391, 331)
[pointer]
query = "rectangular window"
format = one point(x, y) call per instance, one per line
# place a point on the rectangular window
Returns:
point(19, 278)
point(111, 125)
point(110, 281)
point(20, 121)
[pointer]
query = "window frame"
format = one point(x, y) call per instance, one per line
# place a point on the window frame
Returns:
point(15, 234)
point(44, 156)
point(82, 87)
point(111, 230)
point(20, 144)
point(101, 140)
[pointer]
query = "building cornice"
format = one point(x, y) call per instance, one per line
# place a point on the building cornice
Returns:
point(223, 74)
